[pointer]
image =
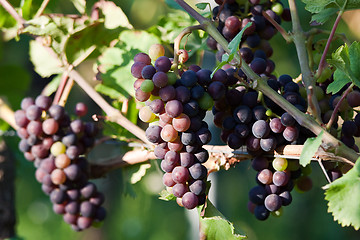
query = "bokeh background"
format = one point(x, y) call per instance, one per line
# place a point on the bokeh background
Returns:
point(135, 212)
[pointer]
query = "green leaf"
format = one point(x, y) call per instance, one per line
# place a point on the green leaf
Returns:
point(323, 16)
point(354, 58)
point(166, 195)
point(41, 26)
point(115, 63)
point(52, 86)
point(95, 36)
point(346, 60)
point(324, 9)
point(316, 6)
point(343, 195)
point(45, 63)
point(80, 5)
point(234, 45)
point(311, 145)
point(213, 225)
point(173, 4)
point(202, 6)
point(114, 16)
point(14, 84)
point(340, 80)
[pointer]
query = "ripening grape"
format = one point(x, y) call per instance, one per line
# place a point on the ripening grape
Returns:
point(280, 164)
point(57, 148)
point(168, 133)
point(146, 115)
point(156, 51)
point(181, 123)
point(58, 176)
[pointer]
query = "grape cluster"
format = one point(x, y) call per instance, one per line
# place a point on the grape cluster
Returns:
point(56, 145)
point(255, 48)
point(175, 109)
point(276, 179)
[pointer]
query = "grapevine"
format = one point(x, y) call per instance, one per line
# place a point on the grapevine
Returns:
point(160, 100)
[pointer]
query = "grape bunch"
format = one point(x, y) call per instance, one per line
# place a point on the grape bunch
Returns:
point(56, 145)
point(250, 120)
point(276, 179)
point(255, 48)
point(175, 109)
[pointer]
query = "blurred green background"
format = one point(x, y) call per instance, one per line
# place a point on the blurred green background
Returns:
point(135, 212)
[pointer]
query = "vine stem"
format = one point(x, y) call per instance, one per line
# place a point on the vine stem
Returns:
point(177, 42)
point(42, 8)
point(278, 27)
point(113, 114)
point(322, 63)
point(337, 107)
point(11, 10)
point(307, 76)
point(61, 87)
point(65, 94)
point(7, 114)
point(221, 157)
point(329, 141)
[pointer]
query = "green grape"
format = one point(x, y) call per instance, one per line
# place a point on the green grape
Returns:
point(147, 86)
point(171, 78)
point(206, 102)
point(325, 75)
point(280, 164)
point(57, 149)
point(319, 93)
point(277, 8)
point(269, 113)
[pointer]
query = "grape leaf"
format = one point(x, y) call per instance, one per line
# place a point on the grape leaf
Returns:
point(80, 5)
point(316, 6)
point(324, 9)
point(170, 26)
point(346, 60)
point(166, 195)
point(114, 16)
point(323, 16)
point(202, 6)
point(45, 64)
point(173, 4)
point(213, 225)
point(338, 84)
point(234, 46)
point(115, 63)
point(52, 86)
point(343, 195)
point(311, 145)
point(94, 35)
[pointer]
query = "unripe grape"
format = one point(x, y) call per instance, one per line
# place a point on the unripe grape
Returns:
point(156, 51)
